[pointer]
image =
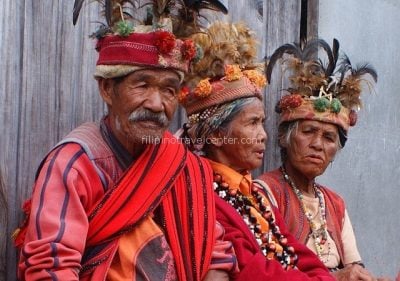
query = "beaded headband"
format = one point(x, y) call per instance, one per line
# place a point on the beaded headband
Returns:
point(159, 41)
point(324, 92)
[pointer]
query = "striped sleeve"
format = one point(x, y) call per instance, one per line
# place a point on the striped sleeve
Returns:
point(223, 255)
point(56, 233)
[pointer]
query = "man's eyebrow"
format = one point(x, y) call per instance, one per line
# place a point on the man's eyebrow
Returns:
point(175, 82)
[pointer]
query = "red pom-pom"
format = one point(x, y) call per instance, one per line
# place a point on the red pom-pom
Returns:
point(183, 94)
point(188, 49)
point(165, 41)
point(290, 101)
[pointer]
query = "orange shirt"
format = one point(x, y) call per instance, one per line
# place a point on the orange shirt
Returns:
point(143, 254)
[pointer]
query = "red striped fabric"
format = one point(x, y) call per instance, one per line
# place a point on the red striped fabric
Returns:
point(182, 183)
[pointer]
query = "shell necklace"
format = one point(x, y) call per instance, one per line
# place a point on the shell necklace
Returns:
point(273, 244)
point(318, 232)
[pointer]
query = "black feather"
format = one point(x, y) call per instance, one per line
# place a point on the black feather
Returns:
point(197, 5)
point(365, 69)
point(334, 54)
point(335, 49)
point(309, 50)
point(291, 49)
point(189, 3)
point(77, 8)
point(330, 67)
point(108, 10)
point(344, 66)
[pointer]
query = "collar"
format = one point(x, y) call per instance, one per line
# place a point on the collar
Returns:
point(123, 157)
point(234, 179)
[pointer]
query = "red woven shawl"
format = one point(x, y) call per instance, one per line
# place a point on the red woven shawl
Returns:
point(181, 182)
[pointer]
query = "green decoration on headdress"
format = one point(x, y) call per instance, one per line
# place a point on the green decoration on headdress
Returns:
point(321, 104)
point(336, 105)
point(124, 28)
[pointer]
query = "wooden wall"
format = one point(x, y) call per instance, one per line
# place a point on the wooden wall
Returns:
point(366, 172)
point(47, 88)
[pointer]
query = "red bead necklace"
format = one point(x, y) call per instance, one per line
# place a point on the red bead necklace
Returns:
point(266, 239)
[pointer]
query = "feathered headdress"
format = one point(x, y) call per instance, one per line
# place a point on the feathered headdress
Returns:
point(228, 69)
point(160, 39)
point(328, 92)
point(217, 84)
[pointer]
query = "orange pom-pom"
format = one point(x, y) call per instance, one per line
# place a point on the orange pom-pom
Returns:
point(233, 72)
point(203, 88)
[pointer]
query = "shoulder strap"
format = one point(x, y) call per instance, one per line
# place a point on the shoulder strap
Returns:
point(88, 136)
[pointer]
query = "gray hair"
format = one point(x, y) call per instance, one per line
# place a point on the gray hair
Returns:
point(239, 106)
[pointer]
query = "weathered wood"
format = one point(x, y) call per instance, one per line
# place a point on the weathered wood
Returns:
point(312, 18)
point(11, 31)
point(282, 26)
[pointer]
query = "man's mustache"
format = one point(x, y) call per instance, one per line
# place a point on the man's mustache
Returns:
point(147, 115)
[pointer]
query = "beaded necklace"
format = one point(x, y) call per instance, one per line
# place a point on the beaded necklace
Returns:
point(320, 234)
point(265, 239)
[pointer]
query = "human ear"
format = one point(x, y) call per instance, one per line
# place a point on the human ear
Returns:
point(106, 89)
point(216, 139)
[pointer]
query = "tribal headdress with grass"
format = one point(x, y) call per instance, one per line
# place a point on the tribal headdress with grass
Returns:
point(226, 74)
point(160, 40)
point(323, 91)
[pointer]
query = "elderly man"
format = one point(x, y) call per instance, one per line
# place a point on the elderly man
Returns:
point(122, 199)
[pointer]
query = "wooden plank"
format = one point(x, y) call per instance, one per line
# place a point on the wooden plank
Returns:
point(312, 18)
point(283, 26)
point(11, 22)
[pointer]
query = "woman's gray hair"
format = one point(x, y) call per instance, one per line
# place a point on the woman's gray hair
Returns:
point(285, 131)
point(239, 106)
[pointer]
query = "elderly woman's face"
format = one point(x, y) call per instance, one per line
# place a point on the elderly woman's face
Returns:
point(312, 146)
point(243, 148)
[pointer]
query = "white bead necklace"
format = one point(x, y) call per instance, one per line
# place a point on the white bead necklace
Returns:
point(320, 234)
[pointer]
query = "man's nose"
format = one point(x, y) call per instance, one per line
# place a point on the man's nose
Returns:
point(154, 101)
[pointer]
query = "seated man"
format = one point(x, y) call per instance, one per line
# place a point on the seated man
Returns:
point(121, 199)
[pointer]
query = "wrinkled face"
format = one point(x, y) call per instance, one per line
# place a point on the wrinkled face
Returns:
point(312, 146)
point(142, 105)
point(243, 147)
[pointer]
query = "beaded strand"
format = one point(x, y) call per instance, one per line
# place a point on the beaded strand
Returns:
point(242, 205)
point(320, 234)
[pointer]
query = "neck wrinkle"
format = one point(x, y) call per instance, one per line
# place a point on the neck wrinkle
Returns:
point(304, 184)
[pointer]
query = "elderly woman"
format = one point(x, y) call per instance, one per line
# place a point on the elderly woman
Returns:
point(226, 116)
point(314, 121)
